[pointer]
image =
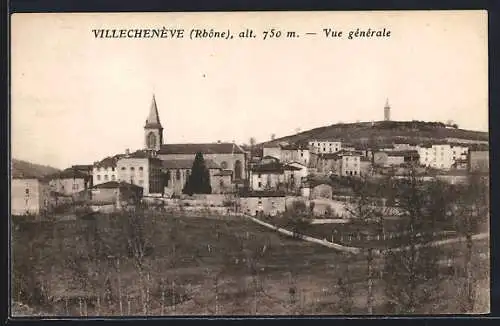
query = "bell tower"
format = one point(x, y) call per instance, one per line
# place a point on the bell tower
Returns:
point(153, 130)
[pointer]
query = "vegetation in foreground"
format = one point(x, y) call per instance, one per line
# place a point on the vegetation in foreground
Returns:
point(148, 263)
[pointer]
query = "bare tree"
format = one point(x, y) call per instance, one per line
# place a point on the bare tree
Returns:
point(471, 214)
point(411, 271)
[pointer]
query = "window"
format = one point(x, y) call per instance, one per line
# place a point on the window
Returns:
point(223, 165)
point(151, 140)
point(141, 168)
point(123, 168)
point(141, 182)
point(259, 175)
point(98, 178)
point(132, 169)
point(106, 177)
point(178, 174)
point(113, 177)
point(113, 169)
point(260, 184)
point(27, 191)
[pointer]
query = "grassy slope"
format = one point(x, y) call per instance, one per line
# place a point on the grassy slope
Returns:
point(27, 168)
point(284, 263)
point(363, 132)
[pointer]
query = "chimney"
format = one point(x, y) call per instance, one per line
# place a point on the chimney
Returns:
point(127, 151)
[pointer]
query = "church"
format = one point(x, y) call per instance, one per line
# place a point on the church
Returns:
point(226, 161)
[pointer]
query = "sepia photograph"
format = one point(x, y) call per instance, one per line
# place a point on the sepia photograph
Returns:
point(249, 164)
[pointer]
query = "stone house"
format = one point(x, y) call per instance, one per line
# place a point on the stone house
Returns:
point(479, 161)
point(29, 195)
point(143, 170)
point(269, 204)
point(176, 173)
point(115, 193)
point(271, 174)
point(69, 182)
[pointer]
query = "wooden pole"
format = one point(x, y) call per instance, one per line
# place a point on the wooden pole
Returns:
point(370, 282)
point(119, 286)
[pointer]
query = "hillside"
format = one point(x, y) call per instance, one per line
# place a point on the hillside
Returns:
point(21, 168)
point(384, 132)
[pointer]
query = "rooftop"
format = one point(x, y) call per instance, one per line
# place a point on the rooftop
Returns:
point(69, 173)
point(114, 185)
point(209, 148)
point(187, 164)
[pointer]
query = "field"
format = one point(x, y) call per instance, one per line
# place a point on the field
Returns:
point(186, 265)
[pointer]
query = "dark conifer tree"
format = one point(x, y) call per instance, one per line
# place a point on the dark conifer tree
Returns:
point(199, 179)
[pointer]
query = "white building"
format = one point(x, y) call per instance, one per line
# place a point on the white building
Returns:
point(105, 170)
point(325, 146)
point(141, 170)
point(437, 156)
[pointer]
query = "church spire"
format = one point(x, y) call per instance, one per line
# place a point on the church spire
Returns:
point(153, 120)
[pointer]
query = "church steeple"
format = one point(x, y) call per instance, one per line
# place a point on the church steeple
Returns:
point(153, 120)
point(153, 130)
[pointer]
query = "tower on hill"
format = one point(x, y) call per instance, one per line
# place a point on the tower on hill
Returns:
point(387, 111)
point(153, 130)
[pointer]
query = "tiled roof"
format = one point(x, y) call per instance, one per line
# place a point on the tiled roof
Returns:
point(210, 148)
point(83, 166)
point(329, 156)
point(114, 184)
point(68, 173)
point(291, 167)
point(270, 167)
point(403, 153)
point(187, 164)
point(109, 161)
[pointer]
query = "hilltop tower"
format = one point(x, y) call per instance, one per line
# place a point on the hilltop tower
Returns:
point(153, 130)
point(387, 111)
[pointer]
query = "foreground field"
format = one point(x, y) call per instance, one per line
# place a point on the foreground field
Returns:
point(165, 265)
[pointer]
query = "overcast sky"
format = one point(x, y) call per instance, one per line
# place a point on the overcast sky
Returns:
point(76, 99)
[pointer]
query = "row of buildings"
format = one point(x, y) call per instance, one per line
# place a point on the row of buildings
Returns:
point(161, 170)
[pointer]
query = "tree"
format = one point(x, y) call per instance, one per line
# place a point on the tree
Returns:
point(411, 270)
point(273, 136)
point(471, 213)
point(198, 181)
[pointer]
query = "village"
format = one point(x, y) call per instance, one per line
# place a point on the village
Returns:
point(260, 178)
point(223, 229)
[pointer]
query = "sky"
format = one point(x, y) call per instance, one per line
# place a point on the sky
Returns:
point(76, 99)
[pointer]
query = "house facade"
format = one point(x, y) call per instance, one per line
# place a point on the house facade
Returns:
point(142, 170)
point(115, 193)
point(437, 156)
point(351, 164)
point(105, 170)
point(69, 182)
point(29, 195)
point(479, 161)
point(176, 173)
point(325, 145)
